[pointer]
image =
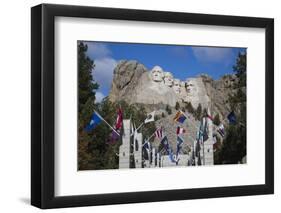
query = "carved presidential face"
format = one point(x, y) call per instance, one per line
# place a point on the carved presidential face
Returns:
point(168, 79)
point(177, 86)
point(190, 86)
point(183, 84)
point(157, 74)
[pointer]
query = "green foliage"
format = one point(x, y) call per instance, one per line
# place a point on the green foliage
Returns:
point(99, 154)
point(217, 120)
point(240, 69)
point(177, 107)
point(234, 145)
point(205, 113)
point(198, 112)
point(93, 151)
point(87, 86)
point(168, 110)
point(189, 108)
point(233, 148)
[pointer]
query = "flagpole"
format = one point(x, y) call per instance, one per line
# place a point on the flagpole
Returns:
point(139, 126)
point(150, 137)
point(188, 117)
point(106, 122)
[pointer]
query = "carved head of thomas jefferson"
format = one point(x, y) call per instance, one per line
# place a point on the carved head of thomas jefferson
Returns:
point(177, 86)
point(168, 79)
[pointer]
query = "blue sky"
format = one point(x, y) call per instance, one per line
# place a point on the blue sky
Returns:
point(182, 61)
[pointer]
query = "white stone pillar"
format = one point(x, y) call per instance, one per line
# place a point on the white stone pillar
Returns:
point(153, 158)
point(124, 149)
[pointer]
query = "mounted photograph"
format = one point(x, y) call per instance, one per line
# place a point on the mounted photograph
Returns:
point(159, 105)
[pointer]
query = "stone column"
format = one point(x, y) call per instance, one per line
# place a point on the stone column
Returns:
point(153, 158)
point(158, 159)
point(124, 149)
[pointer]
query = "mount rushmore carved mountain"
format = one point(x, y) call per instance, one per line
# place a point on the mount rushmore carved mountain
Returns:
point(156, 89)
point(135, 84)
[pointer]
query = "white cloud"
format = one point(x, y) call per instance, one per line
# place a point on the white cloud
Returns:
point(99, 97)
point(103, 72)
point(104, 66)
point(212, 54)
point(97, 50)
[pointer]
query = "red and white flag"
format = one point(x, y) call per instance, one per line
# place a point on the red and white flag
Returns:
point(159, 133)
point(180, 130)
point(115, 134)
point(119, 119)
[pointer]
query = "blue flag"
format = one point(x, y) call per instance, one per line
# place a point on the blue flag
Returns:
point(95, 120)
point(147, 146)
point(171, 155)
point(179, 144)
point(231, 118)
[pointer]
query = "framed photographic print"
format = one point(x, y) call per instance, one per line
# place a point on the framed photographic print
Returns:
point(140, 106)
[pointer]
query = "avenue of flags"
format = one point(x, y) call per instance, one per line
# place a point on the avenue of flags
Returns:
point(159, 133)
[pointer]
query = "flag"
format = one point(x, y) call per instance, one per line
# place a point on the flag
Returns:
point(221, 130)
point(201, 130)
point(165, 143)
point(95, 120)
point(179, 144)
point(205, 131)
point(159, 133)
point(150, 117)
point(171, 155)
point(168, 149)
point(119, 120)
point(180, 130)
point(118, 125)
point(114, 137)
point(231, 118)
point(210, 117)
point(147, 146)
point(180, 117)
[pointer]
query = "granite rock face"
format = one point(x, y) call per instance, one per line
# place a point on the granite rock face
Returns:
point(135, 84)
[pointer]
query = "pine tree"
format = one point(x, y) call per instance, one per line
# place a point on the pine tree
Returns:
point(233, 148)
point(189, 108)
point(217, 120)
point(86, 86)
point(177, 107)
point(198, 112)
point(168, 110)
point(86, 94)
point(240, 69)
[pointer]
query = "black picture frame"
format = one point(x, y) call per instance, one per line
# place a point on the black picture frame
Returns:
point(43, 102)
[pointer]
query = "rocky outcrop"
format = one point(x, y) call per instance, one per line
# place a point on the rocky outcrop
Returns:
point(133, 83)
point(219, 91)
point(125, 78)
